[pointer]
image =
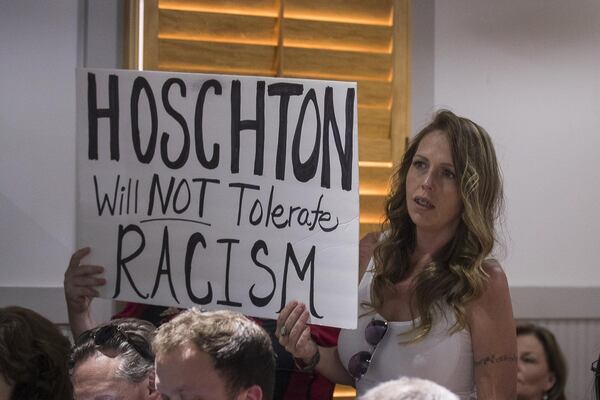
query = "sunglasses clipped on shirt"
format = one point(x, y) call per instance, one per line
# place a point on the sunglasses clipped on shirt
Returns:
point(359, 362)
point(108, 332)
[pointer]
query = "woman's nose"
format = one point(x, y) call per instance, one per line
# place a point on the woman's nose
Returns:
point(428, 181)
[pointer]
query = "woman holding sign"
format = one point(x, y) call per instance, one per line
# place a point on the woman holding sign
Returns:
point(432, 304)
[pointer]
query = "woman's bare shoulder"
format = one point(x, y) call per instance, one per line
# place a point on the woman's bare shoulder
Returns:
point(496, 277)
point(493, 267)
point(495, 290)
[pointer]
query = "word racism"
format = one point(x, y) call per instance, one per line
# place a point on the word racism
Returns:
point(177, 198)
point(182, 218)
point(303, 171)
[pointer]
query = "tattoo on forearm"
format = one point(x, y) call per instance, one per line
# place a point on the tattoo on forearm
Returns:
point(494, 359)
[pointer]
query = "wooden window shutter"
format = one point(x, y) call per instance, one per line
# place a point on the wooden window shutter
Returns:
point(352, 40)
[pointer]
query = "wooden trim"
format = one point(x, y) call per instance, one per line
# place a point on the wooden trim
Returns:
point(131, 17)
point(401, 82)
point(151, 61)
point(280, 34)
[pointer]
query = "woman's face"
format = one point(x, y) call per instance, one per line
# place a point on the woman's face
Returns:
point(432, 187)
point(534, 377)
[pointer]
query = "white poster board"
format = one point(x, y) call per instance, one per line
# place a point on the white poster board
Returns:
point(220, 191)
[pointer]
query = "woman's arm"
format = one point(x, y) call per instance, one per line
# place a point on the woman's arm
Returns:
point(493, 338)
point(332, 368)
point(293, 333)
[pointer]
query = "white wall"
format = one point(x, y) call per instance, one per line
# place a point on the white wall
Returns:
point(421, 62)
point(528, 71)
point(39, 52)
point(43, 43)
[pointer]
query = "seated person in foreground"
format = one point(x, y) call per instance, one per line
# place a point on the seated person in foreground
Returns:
point(409, 389)
point(34, 357)
point(218, 355)
point(114, 361)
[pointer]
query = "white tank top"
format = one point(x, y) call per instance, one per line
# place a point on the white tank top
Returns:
point(440, 357)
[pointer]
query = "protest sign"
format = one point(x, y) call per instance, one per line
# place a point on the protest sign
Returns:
point(220, 191)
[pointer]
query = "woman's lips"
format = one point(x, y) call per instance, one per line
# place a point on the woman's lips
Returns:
point(423, 202)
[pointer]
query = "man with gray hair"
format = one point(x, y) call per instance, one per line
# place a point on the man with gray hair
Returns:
point(409, 389)
point(218, 355)
point(114, 361)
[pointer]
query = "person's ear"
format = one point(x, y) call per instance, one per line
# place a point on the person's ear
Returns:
point(254, 392)
point(153, 394)
point(550, 381)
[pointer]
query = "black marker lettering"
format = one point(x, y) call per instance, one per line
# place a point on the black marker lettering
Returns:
point(304, 171)
point(309, 263)
point(182, 184)
point(164, 202)
point(285, 90)
point(122, 261)
point(243, 187)
point(260, 245)
point(164, 139)
point(165, 260)
point(198, 132)
point(203, 182)
point(344, 154)
point(141, 84)
point(189, 256)
point(95, 113)
point(257, 125)
point(105, 199)
point(227, 301)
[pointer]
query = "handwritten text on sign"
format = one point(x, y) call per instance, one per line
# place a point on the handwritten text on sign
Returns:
point(220, 191)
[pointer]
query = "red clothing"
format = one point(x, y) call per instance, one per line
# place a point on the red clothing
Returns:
point(313, 386)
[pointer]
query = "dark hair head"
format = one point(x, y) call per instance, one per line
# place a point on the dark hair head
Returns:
point(34, 356)
point(241, 350)
point(456, 275)
point(556, 360)
point(130, 339)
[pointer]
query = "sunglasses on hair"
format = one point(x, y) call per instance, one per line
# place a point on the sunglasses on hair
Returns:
point(359, 363)
point(108, 332)
point(596, 367)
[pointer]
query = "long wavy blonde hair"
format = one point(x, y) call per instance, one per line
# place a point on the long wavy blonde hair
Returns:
point(456, 275)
